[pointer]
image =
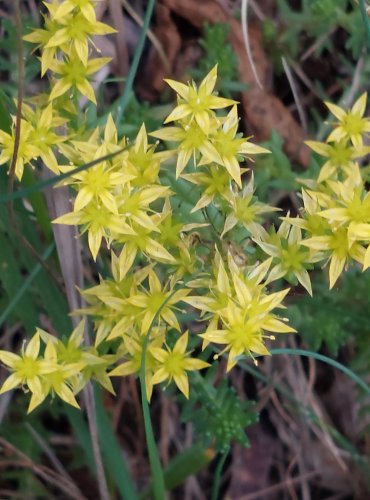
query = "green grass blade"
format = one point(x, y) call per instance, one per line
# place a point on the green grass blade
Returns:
point(12, 281)
point(325, 359)
point(187, 463)
point(39, 186)
point(24, 287)
point(125, 97)
point(112, 452)
point(155, 463)
point(217, 476)
point(366, 20)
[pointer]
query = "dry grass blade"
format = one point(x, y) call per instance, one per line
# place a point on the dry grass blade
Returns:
point(156, 43)
point(67, 244)
point(118, 22)
point(45, 473)
point(69, 252)
point(293, 86)
point(52, 457)
point(244, 20)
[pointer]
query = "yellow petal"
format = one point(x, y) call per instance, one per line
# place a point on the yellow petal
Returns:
point(179, 88)
point(35, 401)
point(10, 383)
point(180, 112)
point(65, 393)
point(335, 269)
point(359, 106)
point(209, 81)
point(367, 259)
point(94, 240)
point(33, 347)
point(83, 198)
point(275, 325)
point(182, 383)
point(181, 344)
point(159, 376)
point(319, 147)
point(86, 90)
point(9, 358)
point(59, 88)
point(336, 110)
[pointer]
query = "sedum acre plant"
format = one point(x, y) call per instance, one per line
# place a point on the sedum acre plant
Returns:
point(219, 257)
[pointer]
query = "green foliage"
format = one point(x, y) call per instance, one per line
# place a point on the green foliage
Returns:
point(218, 50)
point(327, 320)
point(314, 19)
point(218, 414)
point(274, 171)
point(8, 59)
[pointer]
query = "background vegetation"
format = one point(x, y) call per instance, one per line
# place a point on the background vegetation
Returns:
point(293, 427)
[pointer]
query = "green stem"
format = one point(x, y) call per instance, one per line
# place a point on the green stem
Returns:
point(217, 476)
point(155, 463)
point(365, 19)
point(325, 359)
point(125, 97)
point(39, 186)
point(27, 282)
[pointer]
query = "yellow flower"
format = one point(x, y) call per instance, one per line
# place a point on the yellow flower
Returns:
point(27, 369)
point(74, 34)
point(352, 125)
point(197, 104)
point(243, 333)
point(290, 258)
point(193, 142)
point(228, 149)
point(142, 162)
point(310, 220)
point(99, 222)
point(341, 156)
point(86, 7)
point(96, 185)
point(73, 74)
point(42, 37)
point(151, 303)
point(57, 381)
point(339, 248)
point(241, 309)
point(107, 303)
point(174, 363)
point(131, 351)
point(214, 182)
point(246, 210)
point(141, 241)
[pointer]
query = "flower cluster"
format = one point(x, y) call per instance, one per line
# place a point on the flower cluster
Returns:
point(63, 369)
point(334, 226)
point(65, 43)
point(179, 218)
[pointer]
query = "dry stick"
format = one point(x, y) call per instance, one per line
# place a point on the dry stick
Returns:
point(53, 458)
point(304, 78)
point(301, 113)
point(118, 20)
point(17, 136)
point(244, 21)
point(317, 44)
point(89, 399)
point(88, 393)
point(152, 37)
point(45, 473)
point(277, 487)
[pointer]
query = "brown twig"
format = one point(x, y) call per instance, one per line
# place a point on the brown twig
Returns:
point(17, 137)
point(43, 472)
point(58, 466)
point(277, 487)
